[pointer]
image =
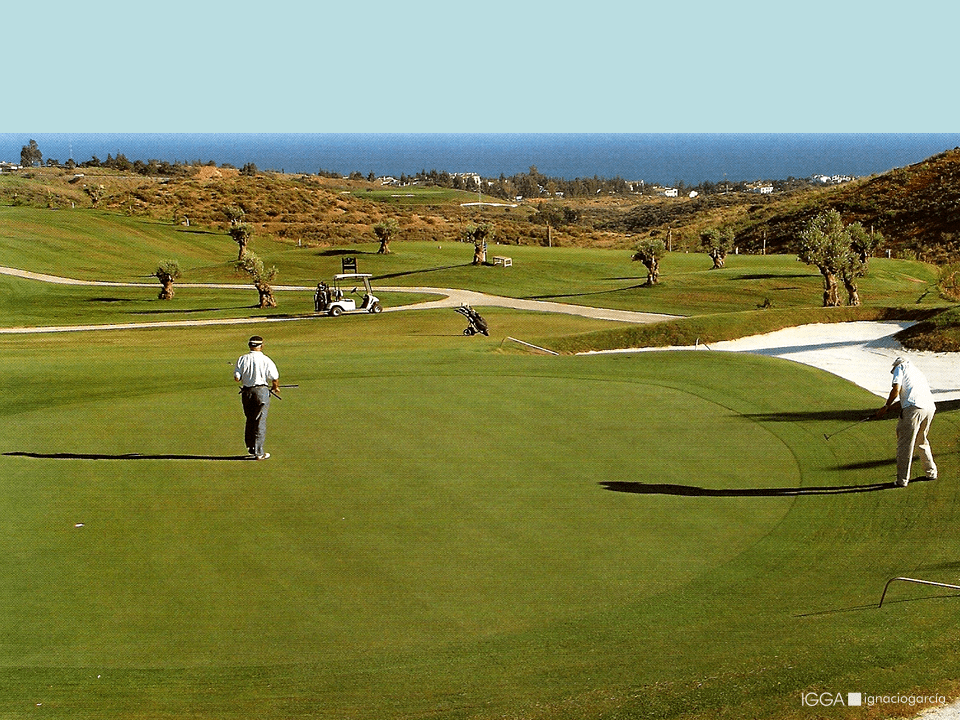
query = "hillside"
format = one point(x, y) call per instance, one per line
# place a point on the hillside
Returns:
point(917, 208)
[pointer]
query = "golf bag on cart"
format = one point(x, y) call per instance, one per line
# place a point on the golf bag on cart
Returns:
point(477, 323)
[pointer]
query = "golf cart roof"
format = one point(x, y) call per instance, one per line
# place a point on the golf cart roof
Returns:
point(352, 276)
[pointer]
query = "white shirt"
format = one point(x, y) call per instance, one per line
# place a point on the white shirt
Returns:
point(255, 368)
point(914, 389)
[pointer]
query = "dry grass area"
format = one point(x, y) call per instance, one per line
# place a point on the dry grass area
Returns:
point(916, 208)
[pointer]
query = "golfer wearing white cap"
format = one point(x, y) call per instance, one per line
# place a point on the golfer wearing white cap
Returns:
point(911, 392)
point(258, 377)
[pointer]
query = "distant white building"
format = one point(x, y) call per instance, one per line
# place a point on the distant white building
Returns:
point(670, 192)
point(831, 179)
point(6, 167)
point(761, 189)
point(468, 178)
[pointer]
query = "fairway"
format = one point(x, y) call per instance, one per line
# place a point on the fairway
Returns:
point(448, 530)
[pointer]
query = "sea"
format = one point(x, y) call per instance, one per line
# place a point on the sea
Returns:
point(668, 159)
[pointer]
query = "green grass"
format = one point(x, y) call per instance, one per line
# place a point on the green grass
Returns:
point(28, 303)
point(447, 530)
point(101, 246)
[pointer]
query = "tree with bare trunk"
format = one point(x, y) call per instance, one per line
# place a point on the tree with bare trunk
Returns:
point(717, 243)
point(839, 252)
point(241, 234)
point(385, 231)
point(649, 252)
point(251, 264)
point(167, 273)
point(479, 235)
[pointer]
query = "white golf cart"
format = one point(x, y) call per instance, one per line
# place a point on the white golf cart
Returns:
point(334, 301)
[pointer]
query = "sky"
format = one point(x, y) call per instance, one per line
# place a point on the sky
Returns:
point(497, 66)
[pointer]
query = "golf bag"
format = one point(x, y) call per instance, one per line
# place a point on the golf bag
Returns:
point(477, 323)
point(321, 298)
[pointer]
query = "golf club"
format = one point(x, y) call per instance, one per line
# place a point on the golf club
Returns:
point(277, 395)
point(827, 437)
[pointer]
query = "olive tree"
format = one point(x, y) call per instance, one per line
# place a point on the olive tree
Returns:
point(234, 214)
point(385, 231)
point(251, 264)
point(649, 252)
point(479, 235)
point(840, 252)
point(717, 243)
point(167, 273)
point(241, 234)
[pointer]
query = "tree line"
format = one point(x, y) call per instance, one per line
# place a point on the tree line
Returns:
point(533, 183)
point(32, 156)
point(840, 252)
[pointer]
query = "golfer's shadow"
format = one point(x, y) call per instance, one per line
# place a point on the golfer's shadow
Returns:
point(122, 456)
point(640, 488)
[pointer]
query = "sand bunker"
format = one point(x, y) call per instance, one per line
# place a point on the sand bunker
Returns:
point(861, 352)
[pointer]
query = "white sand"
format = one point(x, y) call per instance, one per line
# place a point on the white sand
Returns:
point(861, 352)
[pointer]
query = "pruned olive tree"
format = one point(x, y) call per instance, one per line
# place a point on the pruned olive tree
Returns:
point(479, 235)
point(251, 264)
point(241, 234)
point(385, 231)
point(234, 214)
point(717, 244)
point(167, 273)
point(649, 252)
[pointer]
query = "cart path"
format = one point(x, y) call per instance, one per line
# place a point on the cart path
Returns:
point(449, 298)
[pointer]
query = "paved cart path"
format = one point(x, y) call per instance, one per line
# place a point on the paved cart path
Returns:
point(447, 298)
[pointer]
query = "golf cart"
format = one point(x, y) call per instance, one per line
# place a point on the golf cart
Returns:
point(333, 301)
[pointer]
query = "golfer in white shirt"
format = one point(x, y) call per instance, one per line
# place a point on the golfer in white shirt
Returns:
point(258, 376)
point(911, 392)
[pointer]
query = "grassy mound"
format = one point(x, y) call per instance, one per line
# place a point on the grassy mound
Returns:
point(708, 329)
point(940, 333)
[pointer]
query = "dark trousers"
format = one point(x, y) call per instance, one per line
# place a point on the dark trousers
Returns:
point(256, 403)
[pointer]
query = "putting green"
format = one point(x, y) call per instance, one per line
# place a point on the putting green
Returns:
point(429, 505)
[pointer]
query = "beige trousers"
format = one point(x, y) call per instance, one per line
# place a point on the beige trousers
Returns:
point(912, 432)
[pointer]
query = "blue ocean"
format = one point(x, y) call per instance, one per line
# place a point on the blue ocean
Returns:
point(655, 158)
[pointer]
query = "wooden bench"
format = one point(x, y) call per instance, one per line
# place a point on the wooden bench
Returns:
point(502, 261)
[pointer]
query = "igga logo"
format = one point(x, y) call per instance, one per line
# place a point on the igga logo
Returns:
point(812, 699)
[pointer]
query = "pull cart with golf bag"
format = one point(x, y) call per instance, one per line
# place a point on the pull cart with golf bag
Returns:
point(477, 323)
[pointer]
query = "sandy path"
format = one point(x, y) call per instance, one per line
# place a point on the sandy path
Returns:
point(447, 298)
